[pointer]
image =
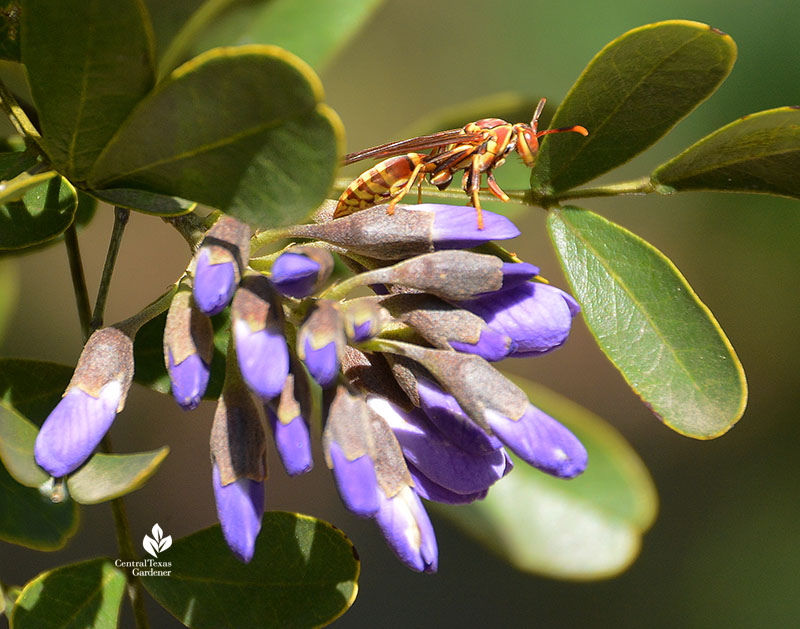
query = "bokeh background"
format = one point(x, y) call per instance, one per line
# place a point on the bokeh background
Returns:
point(725, 548)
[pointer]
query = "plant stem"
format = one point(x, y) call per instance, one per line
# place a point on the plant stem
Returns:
point(78, 280)
point(643, 185)
point(19, 118)
point(121, 216)
point(127, 553)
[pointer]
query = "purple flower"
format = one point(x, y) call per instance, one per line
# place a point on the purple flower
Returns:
point(445, 413)
point(537, 317)
point(295, 274)
point(492, 345)
point(189, 380)
point(322, 362)
point(75, 427)
point(438, 458)
point(356, 482)
point(263, 358)
point(293, 443)
point(540, 441)
point(429, 490)
point(321, 341)
point(456, 226)
point(214, 283)
point(408, 530)
point(240, 505)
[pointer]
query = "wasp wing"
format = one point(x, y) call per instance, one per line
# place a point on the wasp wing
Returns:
point(442, 138)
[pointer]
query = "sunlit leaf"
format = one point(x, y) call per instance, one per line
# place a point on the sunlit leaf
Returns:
point(303, 574)
point(17, 438)
point(107, 476)
point(650, 323)
point(589, 527)
point(314, 31)
point(634, 91)
point(35, 209)
point(758, 153)
point(240, 129)
point(84, 595)
point(88, 62)
point(29, 519)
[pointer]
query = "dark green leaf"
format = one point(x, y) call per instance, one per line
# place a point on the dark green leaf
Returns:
point(9, 30)
point(589, 527)
point(32, 387)
point(35, 209)
point(148, 355)
point(17, 438)
point(29, 519)
point(303, 574)
point(758, 153)
point(89, 62)
point(239, 129)
point(78, 596)
point(144, 201)
point(15, 163)
point(314, 31)
point(634, 91)
point(650, 323)
point(107, 476)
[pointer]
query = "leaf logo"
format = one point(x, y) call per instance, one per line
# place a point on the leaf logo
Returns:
point(158, 543)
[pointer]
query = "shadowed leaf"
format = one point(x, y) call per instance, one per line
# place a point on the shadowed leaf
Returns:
point(108, 476)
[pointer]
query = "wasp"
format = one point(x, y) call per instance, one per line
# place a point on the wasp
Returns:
point(477, 148)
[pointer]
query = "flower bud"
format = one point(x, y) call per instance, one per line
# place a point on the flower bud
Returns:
point(410, 231)
point(363, 319)
point(188, 349)
point(219, 264)
point(408, 530)
point(320, 342)
point(429, 490)
point(240, 506)
point(537, 317)
point(94, 396)
point(300, 271)
point(257, 321)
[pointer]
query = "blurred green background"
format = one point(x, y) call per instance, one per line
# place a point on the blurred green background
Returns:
point(725, 549)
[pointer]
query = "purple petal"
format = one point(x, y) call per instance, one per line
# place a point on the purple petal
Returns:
point(536, 316)
point(293, 443)
point(294, 274)
point(445, 413)
point(516, 272)
point(408, 530)
point(240, 506)
point(322, 363)
point(491, 345)
point(263, 359)
point(430, 490)
point(189, 380)
point(356, 482)
point(363, 331)
point(75, 427)
point(214, 284)
point(541, 441)
point(456, 226)
point(438, 458)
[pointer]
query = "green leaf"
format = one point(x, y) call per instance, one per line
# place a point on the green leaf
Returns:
point(89, 62)
point(758, 153)
point(589, 527)
point(9, 292)
point(146, 202)
point(10, 594)
point(78, 596)
point(108, 476)
point(634, 91)
point(17, 438)
point(314, 31)
point(650, 323)
point(148, 355)
point(239, 129)
point(29, 519)
point(35, 209)
point(15, 163)
point(32, 387)
point(9, 30)
point(303, 574)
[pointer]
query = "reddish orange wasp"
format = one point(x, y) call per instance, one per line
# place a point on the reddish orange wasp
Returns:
point(477, 148)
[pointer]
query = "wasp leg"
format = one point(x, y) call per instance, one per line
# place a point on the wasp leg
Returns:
point(495, 189)
point(473, 186)
point(409, 184)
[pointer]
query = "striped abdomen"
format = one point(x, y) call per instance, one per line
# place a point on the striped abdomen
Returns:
point(379, 184)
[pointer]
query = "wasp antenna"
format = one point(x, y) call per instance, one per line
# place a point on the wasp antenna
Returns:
point(576, 128)
point(537, 113)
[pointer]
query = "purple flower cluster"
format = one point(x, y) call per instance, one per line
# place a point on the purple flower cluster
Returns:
point(412, 407)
